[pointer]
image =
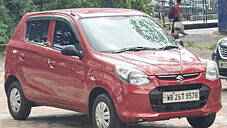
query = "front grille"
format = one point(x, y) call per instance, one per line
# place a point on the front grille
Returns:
point(223, 51)
point(158, 106)
point(174, 77)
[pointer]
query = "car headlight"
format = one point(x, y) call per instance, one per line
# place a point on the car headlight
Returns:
point(220, 42)
point(131, 75)
point(212, 72)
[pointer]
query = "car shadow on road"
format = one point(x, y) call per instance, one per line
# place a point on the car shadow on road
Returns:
point(63, 120)
point(82, 121)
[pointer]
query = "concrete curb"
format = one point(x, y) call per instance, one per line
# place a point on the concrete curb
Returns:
point(200, 25)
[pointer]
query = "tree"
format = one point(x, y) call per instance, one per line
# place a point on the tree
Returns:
point(16, 9)
point(142, 5)
point(40, 3)
point(4, 31)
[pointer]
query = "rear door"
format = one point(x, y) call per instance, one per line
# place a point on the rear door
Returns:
point(66, 73)
point(33, 60)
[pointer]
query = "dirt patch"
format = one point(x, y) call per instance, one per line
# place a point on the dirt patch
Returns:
point(203, 53)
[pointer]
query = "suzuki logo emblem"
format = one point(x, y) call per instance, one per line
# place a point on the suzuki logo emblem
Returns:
point(180, 79)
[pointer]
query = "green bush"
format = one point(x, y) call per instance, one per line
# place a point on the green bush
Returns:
point(4, 36)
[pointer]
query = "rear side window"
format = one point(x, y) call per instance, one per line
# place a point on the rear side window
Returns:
point(64, 35)
point(37, 31)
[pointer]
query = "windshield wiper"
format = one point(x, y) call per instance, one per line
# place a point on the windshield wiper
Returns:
point(129, 49)
point(168, 47)
point(135, 49)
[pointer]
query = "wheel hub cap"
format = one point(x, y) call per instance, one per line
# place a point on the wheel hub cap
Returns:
point(102, 115)
point(15, 100)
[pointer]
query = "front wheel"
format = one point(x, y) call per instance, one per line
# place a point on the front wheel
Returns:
point(104, 114)
point(202, 122)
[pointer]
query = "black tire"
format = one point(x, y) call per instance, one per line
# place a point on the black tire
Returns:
point(202, 122)
point(25, 106)
point(114, 120)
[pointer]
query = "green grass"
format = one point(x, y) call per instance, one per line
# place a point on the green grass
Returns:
point(190, 43)
point(212, 46)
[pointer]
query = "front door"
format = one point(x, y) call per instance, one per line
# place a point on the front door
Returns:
point(66, 73)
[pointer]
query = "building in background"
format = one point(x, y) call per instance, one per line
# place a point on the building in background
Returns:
point(222, 17)
point(192, 10)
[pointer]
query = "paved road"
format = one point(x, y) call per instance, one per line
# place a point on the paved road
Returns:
point(203, 36)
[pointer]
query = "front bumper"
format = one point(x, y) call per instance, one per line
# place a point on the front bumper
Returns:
point(137, 106)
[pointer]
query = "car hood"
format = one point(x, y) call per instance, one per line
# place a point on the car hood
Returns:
point(177, 61)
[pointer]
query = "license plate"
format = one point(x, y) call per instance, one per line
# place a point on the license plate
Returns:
point(222, 64)
point(180, 96)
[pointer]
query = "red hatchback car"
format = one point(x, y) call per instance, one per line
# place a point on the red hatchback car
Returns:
point(116, 65)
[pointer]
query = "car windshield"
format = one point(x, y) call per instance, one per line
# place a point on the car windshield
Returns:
point(126, 33)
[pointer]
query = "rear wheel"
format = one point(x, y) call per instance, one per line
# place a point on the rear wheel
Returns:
point(202, 122)
point(19, 107)
point(104, 114)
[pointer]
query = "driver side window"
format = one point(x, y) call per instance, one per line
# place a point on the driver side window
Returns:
point(63, 36)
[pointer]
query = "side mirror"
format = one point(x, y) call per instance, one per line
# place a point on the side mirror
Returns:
point(70, 50)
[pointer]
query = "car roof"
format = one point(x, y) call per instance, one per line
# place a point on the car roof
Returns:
point(95, 12)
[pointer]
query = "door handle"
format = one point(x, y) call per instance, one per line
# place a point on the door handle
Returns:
point(52, 67)
point(51, 64)
point(21, 57)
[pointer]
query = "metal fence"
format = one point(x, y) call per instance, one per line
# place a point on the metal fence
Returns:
point(192, 10)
